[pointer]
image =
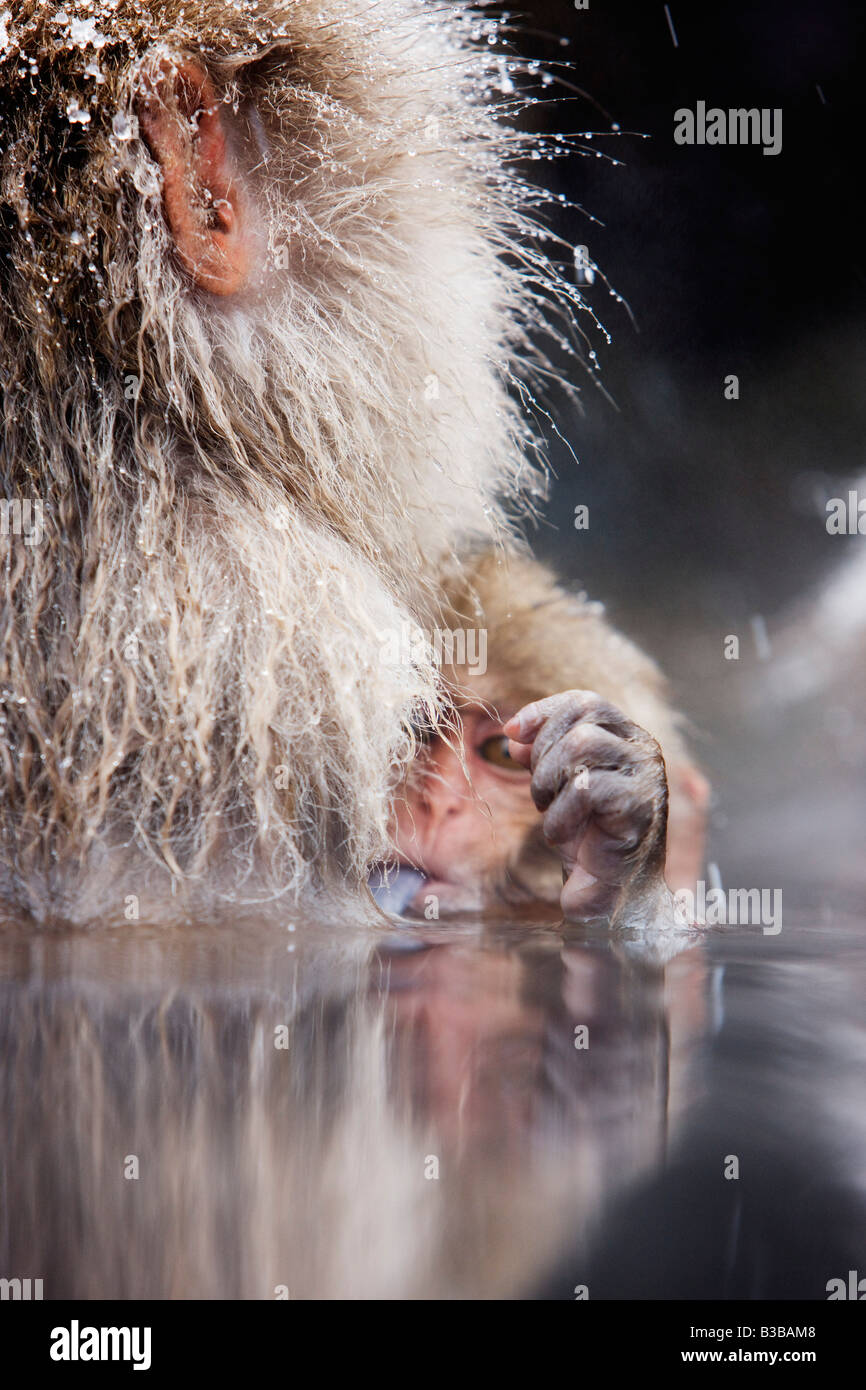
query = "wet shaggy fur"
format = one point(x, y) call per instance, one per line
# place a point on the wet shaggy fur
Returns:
point(242, 496)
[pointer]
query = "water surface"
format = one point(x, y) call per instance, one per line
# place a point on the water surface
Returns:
point(480, 1110)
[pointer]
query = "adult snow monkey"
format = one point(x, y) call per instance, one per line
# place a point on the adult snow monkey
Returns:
point(267, 279)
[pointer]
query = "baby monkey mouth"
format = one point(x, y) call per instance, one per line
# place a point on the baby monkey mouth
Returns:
point(408, 892)
point(395, 889)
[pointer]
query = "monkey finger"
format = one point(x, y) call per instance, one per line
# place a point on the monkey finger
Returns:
point(569, 813)
point(562, 710)
point(626, 808)
point(584, 745)
point(524, 725)
point(610, 859)
point(520, 752)
point(598, 822)
point(582, 709)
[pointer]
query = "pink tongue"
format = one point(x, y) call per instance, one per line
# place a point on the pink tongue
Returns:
point(396, 894)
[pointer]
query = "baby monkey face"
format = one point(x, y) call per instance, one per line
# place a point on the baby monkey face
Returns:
point(573, 766)
point(465, 808)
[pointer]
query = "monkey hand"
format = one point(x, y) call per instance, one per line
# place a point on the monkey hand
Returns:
point(599, 781)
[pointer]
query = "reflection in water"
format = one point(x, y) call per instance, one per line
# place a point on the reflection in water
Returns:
point(783, 1108)
point(393, 1115)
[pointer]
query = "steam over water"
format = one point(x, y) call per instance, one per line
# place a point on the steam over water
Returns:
point(487, 1111)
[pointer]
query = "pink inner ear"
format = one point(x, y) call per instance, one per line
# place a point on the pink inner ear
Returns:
point(196, 161)
point(198, 103)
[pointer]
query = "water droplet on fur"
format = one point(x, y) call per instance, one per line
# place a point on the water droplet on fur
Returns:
point(75, 114)
point(121, 126)
point(84, 31)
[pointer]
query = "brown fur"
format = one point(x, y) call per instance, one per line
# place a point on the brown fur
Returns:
point(240, 497)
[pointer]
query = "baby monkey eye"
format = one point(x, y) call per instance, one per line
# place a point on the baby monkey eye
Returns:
point(495, 750)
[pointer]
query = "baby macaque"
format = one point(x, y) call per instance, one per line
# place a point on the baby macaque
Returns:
point(556, 788)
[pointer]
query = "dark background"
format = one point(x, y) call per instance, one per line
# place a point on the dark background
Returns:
point(704, 512)
point(731, 261)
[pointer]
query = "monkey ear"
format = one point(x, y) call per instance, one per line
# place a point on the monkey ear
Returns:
point(182, 120)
